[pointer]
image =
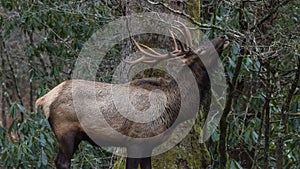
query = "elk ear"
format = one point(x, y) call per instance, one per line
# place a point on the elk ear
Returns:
point(220, 43)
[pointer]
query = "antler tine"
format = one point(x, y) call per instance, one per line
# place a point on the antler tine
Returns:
point(156, 55)
point(141, 59)
point(180, 31)
point(148, 57)
point(175, 42)
point(178, 52)
point(151, 56)
point(150, 49)
point(186, 34)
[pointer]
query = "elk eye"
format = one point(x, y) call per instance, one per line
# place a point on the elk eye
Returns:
point(224, 37)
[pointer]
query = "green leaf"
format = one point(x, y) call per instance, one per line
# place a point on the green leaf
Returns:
point(44, 158)
point(42, 140)
point(215, 136)
point(257, 65)
point(19, 153)
point(254, 136)
point(233, 165)
point(13, 111)
point(23, 110)
point(232, 63)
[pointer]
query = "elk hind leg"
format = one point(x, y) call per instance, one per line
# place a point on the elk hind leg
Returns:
point(68, 144)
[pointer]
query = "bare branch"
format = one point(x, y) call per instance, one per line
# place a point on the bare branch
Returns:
point(203, 26)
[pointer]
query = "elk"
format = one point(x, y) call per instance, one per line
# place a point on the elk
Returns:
point(58, 105)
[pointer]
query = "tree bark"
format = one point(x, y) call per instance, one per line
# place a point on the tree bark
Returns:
point(3, 114)
point(189, 153)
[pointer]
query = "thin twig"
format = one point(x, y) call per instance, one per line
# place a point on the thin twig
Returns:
point(267, 119)
point(272, 12)
point(13, 78)
point(203, 26)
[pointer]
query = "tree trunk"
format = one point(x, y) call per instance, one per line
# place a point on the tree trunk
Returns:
point(189, 153)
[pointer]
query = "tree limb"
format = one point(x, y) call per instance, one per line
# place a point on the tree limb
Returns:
point(203, 26)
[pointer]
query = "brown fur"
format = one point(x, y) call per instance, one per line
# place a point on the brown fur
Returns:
point(58, 105)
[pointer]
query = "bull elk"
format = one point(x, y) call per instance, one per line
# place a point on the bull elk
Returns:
point(58, 105)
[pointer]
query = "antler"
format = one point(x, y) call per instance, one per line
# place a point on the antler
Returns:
point(186, 34)
point(152, 56)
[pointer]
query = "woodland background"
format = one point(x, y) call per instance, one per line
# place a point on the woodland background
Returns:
point(260, 127)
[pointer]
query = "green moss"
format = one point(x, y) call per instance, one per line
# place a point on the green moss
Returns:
point(194, 8)
point(119, 163)
point(189, 153)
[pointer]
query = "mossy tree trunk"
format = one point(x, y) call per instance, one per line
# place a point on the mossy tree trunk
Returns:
point(189, 153)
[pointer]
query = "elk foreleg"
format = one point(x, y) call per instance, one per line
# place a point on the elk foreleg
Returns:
point(132, 163)
point(145, 163)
